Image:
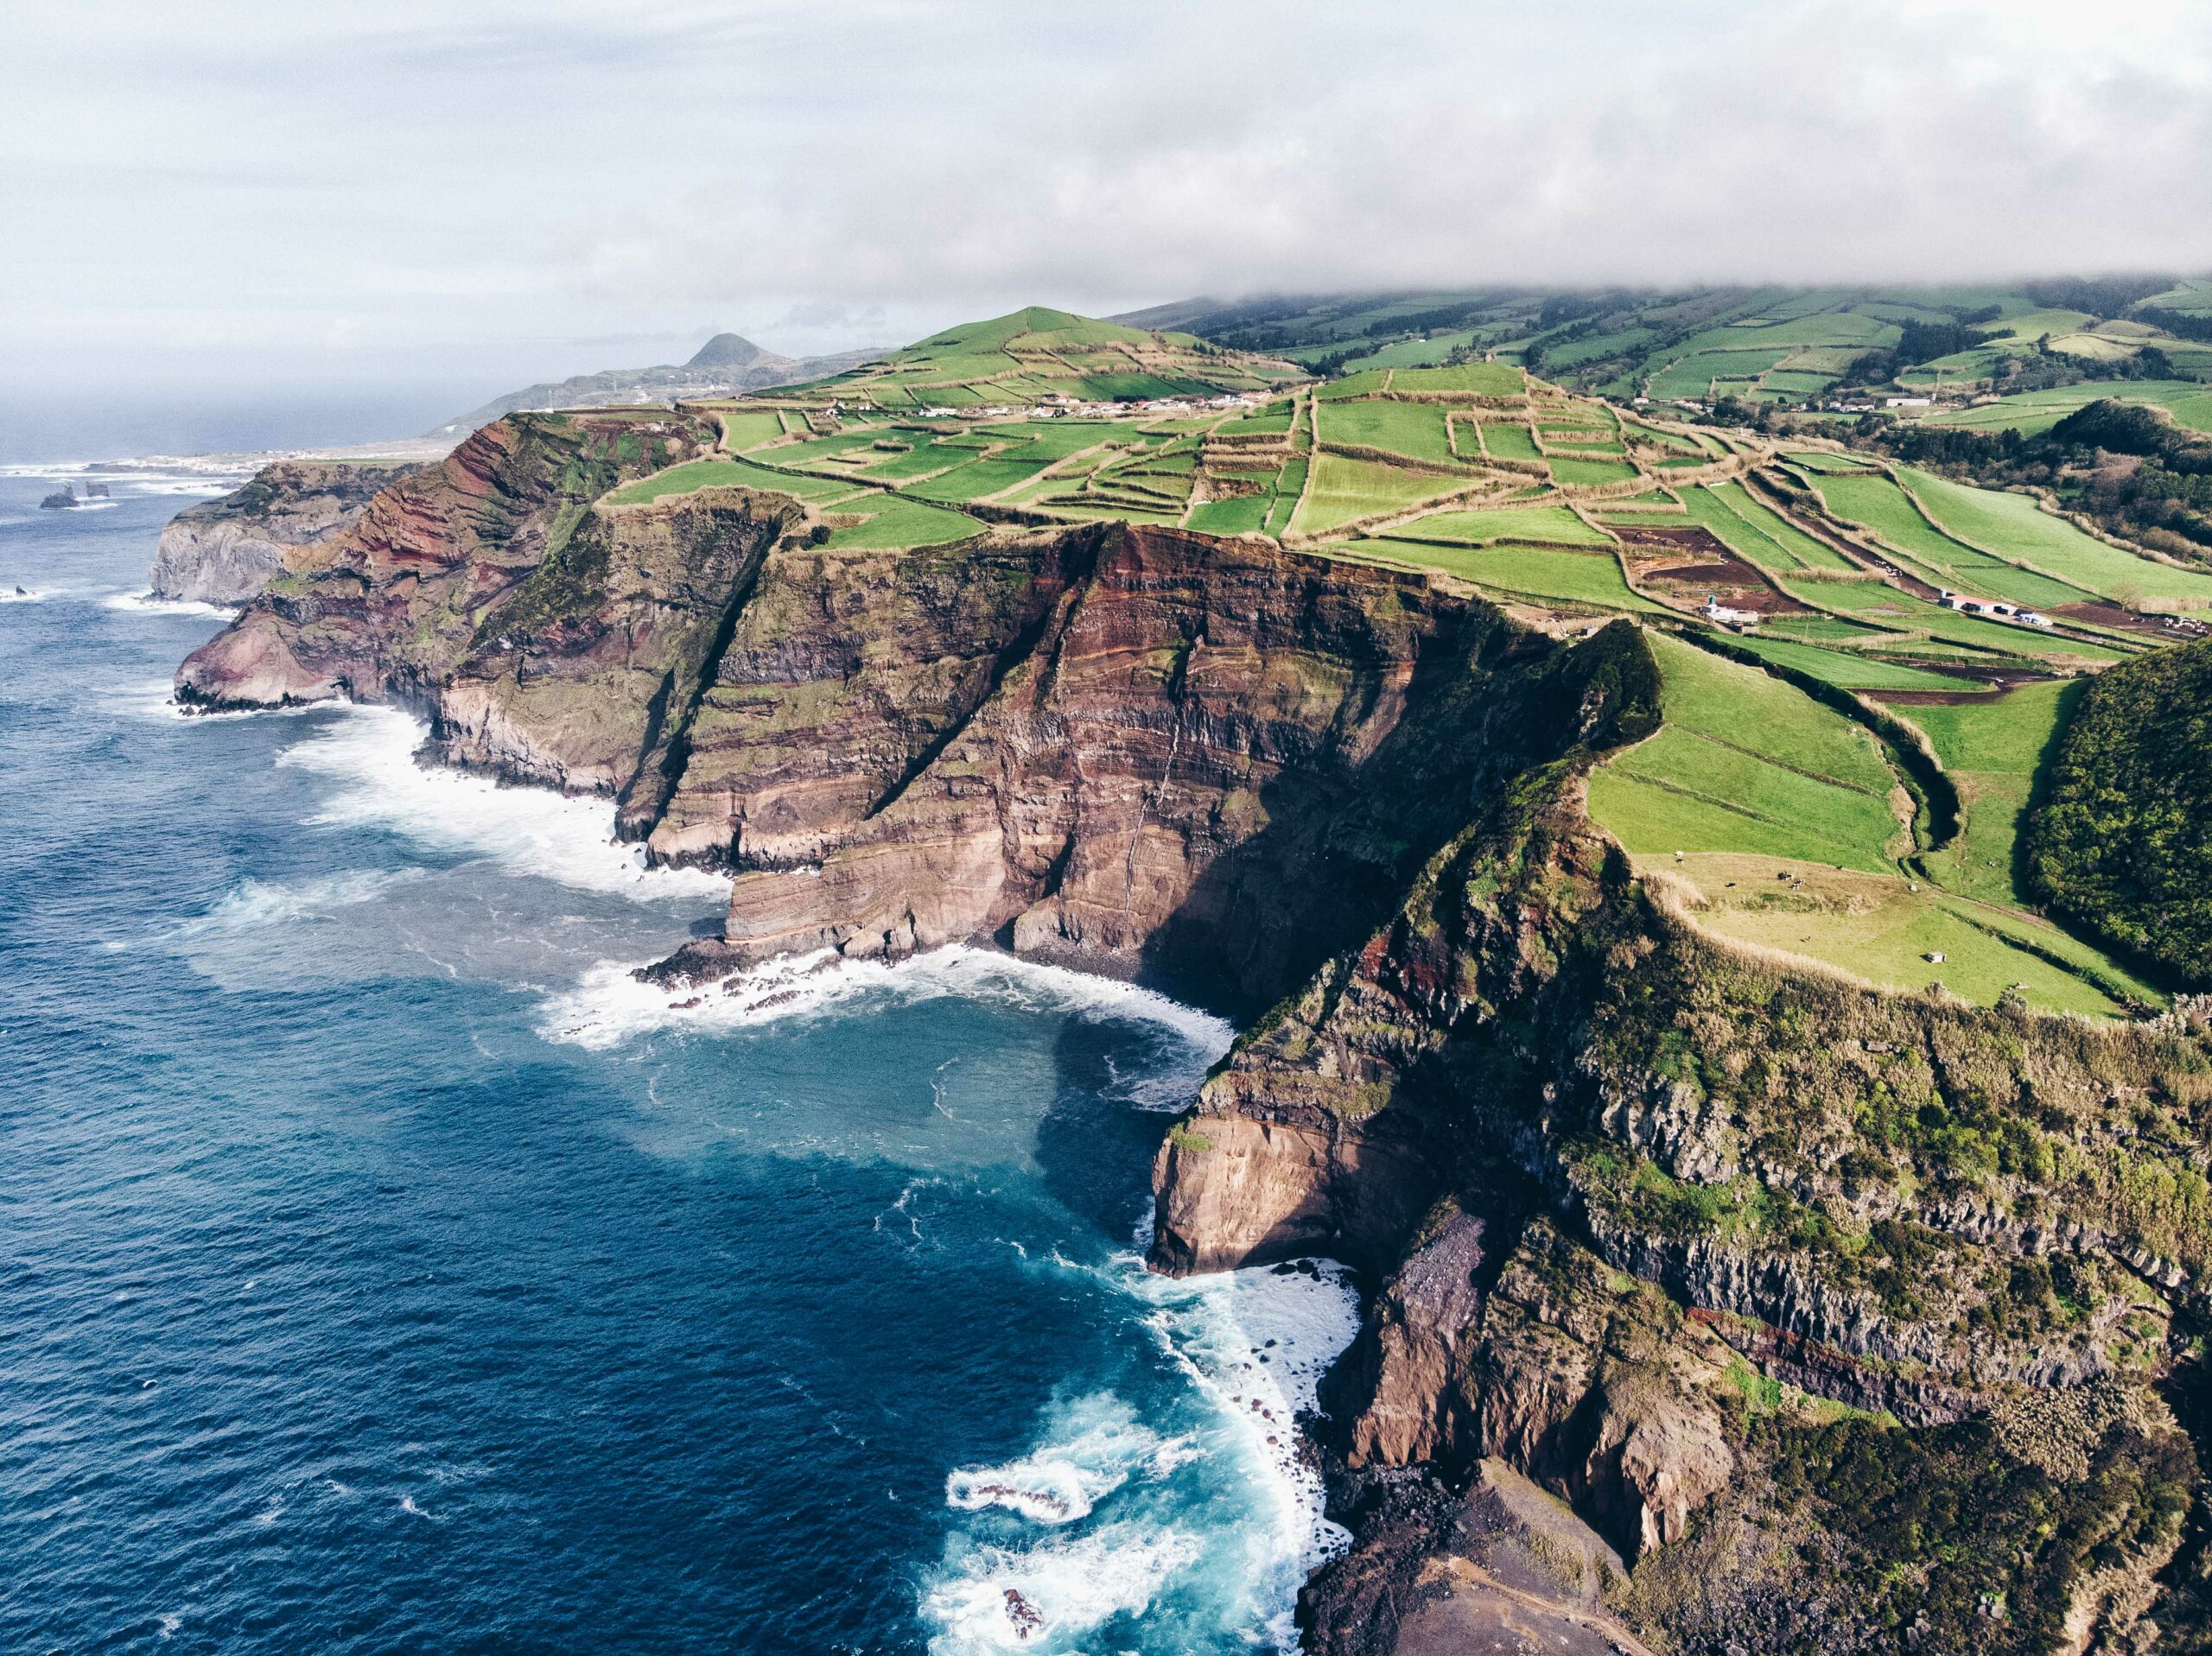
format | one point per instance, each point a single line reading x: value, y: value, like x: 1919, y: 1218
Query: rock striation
x: 1697, y: 1282
x: 224, y: 551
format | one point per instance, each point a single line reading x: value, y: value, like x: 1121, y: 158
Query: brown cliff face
x: 225, y: 551
x: 1715, y: 1226
x: 389, y: 606
x: 549, y: 639
x: 1143, y: 738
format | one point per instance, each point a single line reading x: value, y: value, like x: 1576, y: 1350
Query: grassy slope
x: 1781, y: 808
x: 1343, y: 489
x: 1546, y: 525
x: 1877, y: 502
x: 1746, y: 762
x: 2013, y: 526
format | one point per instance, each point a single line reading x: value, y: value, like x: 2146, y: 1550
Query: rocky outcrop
x: 1143, y: 738
x: 549, y: 639
x: 225, y: 551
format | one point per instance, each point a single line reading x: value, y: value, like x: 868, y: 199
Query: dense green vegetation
x: 2122, y: 844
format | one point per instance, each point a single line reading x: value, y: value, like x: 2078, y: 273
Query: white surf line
x: 612, y: 1004
x: 369, y: 751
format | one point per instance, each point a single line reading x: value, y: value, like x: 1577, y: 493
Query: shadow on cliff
x: 1486, y: 703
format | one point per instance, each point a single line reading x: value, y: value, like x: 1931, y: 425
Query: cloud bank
x: 497, y: 189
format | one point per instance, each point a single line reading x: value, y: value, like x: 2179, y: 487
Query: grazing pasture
x: 1344, y: 489
x: 1413, y: 429
x: 1546, y: 525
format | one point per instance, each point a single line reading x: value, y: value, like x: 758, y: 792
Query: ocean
x: 382, y: 1268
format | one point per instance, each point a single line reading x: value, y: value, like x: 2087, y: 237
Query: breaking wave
x: 613, y: 1005
x: 370, y: 752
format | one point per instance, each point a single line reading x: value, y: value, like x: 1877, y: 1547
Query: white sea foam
x: 371, y: 753
x: 29, y: 595
x: 1257, y: 1341
x: 147, y: 604
x: 1092, y: 1446
x: 1040, y: 1598
x: 612, y: 1005
x: 1113, y: 1521
x: 255, y: 903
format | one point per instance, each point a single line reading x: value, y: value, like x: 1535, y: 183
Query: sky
x: 440, y: 200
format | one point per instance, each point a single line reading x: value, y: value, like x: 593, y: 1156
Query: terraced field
x: 1343, y: 489
x: 1413, y: 429
x: 1774, y: 796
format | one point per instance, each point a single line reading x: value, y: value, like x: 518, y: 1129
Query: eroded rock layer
x: 224, y: 551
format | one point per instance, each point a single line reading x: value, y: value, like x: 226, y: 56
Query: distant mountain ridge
x: 726, y: 366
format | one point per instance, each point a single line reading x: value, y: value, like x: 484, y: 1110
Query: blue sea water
x: 382, y: 1269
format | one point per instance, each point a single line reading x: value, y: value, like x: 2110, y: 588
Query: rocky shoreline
x: 1643, y: 1276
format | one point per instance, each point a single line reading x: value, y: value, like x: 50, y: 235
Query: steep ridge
x: 1178, y: 727
x: 548, y: 639
x: 1838, y: 1318
x: 224, y: 551
x: 1744, y: 1185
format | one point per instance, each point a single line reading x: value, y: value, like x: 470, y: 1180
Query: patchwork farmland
x: 1865, y: 663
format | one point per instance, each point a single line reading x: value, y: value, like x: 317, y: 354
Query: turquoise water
x: 385, y: 1270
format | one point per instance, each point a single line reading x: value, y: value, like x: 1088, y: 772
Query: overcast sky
x: 482, y: 194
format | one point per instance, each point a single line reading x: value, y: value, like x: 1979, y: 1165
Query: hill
x: 1036, y: 355
x: 1790, y: 347
x: 1618, y: 817
x: 726, y: 366
x: 2123, y: 842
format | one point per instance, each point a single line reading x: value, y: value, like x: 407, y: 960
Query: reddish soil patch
x: 1703, y: 574
x: 1728, y: 579
x: 1994, y: 677
x: 2111, y: 615
x: 1687, y: 539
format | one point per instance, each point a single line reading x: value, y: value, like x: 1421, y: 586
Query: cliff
x: 224, y: 551
x: 1715, y: 1304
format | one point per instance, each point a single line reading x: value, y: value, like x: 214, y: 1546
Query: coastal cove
x: 388, y: 1272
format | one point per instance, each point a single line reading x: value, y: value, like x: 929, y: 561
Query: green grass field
x: 1266, y: 421
x: 2013, y: 526
x: 1877, y: 502
x: 2033, y: 413
x: 1360, y: 384
x: 1245, y: 515
x: 694, y: 475
x: 1581, y: 473
x: 1535, y: 572
x: 1886, y: 606
x: 744, y: 428
x: 1878, y: 927
x: 1344, y: 489
x: 1413, y: 429
x: 976, y: 479
x: 1546, y: 525
x: 924, y: 458
x: 1846, y: 668
x: 1817, y: 460
x: 1509, y: 440
x: 1993, y: 748
x: 1755, y: 534
x: 897, y: 522
x: 1747, y: 764
x: 1474, y: 378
